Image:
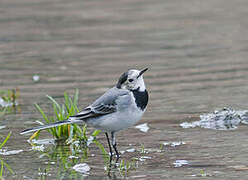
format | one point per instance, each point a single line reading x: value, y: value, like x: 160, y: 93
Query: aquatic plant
x: 62, y: 112
x: 8, y: 100
x: 142, y: 149
x: 4, y: 164
x: 203, y: 173
x: 126, y: 166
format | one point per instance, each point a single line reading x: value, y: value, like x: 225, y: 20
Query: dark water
x: 197, y: 55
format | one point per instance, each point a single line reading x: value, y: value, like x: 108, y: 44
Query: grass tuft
x: 62, y: 112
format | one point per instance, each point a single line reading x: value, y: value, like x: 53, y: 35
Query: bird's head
x: 132, y: 80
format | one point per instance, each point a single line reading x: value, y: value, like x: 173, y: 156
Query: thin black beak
x: 142, y: 71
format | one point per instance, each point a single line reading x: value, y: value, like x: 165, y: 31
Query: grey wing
x: 105, y: 104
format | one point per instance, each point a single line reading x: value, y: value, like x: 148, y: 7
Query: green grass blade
x: 59, y: 130
x: 78, y: 129
x: 1, y: 172
x: 96, y: 132
x: 84, y: 132
x: 55, y: 112
x: 8, y: 167
x: 5, y: 140
x: 72, y: 110
x: 55, y: 102
x: 63, y: 114
x: 42, y: 113
x: 67, y: 102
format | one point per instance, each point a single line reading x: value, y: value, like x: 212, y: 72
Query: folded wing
x: 105, y: 104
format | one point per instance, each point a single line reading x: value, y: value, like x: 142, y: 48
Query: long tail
x: 47, y: 126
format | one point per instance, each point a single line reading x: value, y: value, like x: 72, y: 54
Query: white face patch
x: 133, y: 81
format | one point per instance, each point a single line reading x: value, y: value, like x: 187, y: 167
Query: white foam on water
x: 224, y: 119
x: 12, y: 152
x: 143, y: 127
x: 82, y: 168
x: 180, y: 163
x: 36, y: 78
x: 38, y: 148
x: 174, y: 144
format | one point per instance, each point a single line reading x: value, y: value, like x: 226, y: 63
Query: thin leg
x: 110, y: 150
x: 114, y: 146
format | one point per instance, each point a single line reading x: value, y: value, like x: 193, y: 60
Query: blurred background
x: 196, y: 52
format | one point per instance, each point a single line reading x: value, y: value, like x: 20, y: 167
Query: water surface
x: 197, y: 55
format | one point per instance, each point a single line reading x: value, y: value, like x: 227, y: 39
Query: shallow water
x: 197, y: 55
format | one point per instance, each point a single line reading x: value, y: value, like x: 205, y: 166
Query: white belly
x: 116, y: 121
x: 126, y: 115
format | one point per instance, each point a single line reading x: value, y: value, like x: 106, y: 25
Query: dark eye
x: 130, y: 80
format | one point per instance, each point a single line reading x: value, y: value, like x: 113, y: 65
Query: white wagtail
x: 119, y: 108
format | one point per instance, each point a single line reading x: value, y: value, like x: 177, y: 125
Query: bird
x: 119, y: 108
